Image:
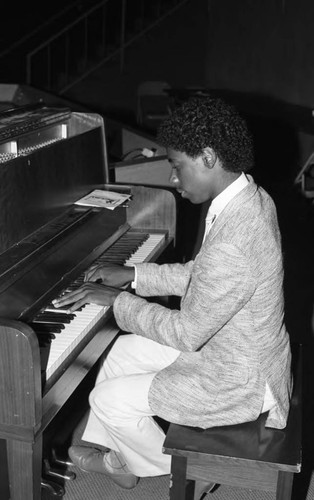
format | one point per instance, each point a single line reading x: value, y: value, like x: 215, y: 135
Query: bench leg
x: 178, y: 478
x: 180, y: 487
x: 284, y: 485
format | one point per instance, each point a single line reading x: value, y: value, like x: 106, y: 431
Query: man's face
x: 191, y: 177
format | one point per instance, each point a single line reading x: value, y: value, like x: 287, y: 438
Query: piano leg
x: 24, y: 468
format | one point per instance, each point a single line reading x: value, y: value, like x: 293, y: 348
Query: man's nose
x: 173, y: 179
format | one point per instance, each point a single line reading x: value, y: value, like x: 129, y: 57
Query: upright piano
x: 50, y: 157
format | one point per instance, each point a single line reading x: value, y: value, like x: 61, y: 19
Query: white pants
x: 120, y: 416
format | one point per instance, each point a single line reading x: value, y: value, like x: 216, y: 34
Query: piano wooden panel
x: 154, y: 171
x: 152, y: 208
x: 20, y: 364
x: 47, y: 243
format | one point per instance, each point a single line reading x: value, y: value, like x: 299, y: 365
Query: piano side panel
x: 20, y: 382
x: 37, y: 188
x: 151, y: 208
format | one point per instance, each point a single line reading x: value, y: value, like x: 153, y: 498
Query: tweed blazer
x: 230, y: 328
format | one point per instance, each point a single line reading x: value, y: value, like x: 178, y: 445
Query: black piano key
x: 46, y: 328
x: 117, y: 255
x: 52, y: 318
x: 57, y: 318
x: 57, y: 312
x: 52, y: 324
x: 44, y: 342
x: 44, y: 336
x: 115, y: 261
x: 51, y: 310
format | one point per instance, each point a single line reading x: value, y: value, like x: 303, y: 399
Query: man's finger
x: 69, y: 298
x: 77, y: 305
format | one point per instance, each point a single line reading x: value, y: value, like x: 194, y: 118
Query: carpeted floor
x: 97, y: 487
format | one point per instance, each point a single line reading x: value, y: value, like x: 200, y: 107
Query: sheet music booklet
x: 103, y: 199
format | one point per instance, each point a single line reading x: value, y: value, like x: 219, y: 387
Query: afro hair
x: 208, y: 121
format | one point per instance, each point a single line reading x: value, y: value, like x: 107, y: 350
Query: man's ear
x: 209, y: 157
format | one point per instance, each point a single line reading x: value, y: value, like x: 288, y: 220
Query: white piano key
x: 66, y: 341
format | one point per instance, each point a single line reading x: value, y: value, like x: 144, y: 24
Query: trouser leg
x: 120, y: 416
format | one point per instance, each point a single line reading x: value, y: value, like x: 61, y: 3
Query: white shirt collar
x: 221, y: 201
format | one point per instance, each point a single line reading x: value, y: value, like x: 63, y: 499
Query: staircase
x: 80, y: 39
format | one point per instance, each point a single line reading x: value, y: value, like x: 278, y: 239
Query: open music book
x: 103, y: 199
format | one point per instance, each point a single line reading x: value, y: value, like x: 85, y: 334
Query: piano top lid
x: 15, y: 122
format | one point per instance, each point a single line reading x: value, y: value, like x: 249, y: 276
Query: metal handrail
x: 39, y: 29
x: 66, y: 28
x: 46, y: 48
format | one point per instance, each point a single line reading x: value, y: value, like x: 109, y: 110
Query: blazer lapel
x: 232, y: 209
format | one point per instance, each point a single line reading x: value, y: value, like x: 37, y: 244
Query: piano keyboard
x: 59, y: 338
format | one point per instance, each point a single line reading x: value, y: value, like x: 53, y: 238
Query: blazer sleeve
x: 160, y: 280
x: 221, y: 284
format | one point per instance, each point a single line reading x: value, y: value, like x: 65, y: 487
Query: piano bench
x: 247, y: 455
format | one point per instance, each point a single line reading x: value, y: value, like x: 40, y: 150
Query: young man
x: 224, y: 356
